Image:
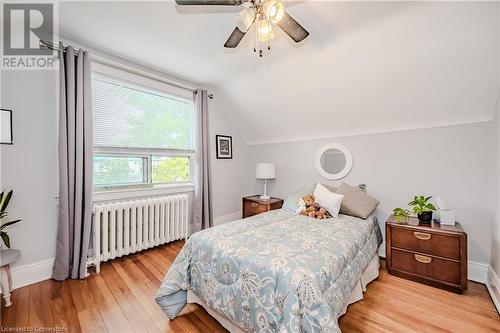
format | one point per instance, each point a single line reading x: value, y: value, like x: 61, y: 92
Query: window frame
x: 151, y: 85
x: 147, y: 154
x: 145, y: 172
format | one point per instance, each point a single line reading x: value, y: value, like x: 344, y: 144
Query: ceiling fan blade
x: 235, y: 38
x: 292, y: 28
x: 210, y: 2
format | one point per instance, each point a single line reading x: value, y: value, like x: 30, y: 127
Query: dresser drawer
x: 447, y: 246
x: 426, y: 266
x: 254, y: 208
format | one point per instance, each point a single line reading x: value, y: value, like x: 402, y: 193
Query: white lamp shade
x: 265, y: 171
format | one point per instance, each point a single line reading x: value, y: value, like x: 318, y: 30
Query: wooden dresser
x: 432, y: 254
x: 253, y: 205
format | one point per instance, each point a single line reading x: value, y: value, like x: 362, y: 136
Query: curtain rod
x: 51, y: 46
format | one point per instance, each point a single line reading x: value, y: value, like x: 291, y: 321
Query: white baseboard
x: 493, y: 286
x: 381, y: 250
x: 478, y: 272
x: 31, y: 273
x: 227, y: 218
x: 217, y: 221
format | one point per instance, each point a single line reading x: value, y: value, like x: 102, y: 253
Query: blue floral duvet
x: 273, y: 272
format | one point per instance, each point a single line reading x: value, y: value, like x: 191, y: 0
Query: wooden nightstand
x: 432, y: 254
x: 253, y: 205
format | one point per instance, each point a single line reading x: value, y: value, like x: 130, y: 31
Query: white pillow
x: 327, y: 199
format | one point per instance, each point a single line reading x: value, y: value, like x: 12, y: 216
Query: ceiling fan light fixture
x: 261, y: 14
x: 265, y: 30
x: 274, y: 10
x: 245, y: 18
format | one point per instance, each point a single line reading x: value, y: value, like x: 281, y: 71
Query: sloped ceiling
x: 366, y: 67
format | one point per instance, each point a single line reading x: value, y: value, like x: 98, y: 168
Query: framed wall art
x: 6, y: 137
x: 224, y: 146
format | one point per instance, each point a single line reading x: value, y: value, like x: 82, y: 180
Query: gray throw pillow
x: 356, y: 202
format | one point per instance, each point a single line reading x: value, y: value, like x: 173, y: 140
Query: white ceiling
x: 366, y: 66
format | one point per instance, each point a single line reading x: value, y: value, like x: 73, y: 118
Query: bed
x: 275, y: 271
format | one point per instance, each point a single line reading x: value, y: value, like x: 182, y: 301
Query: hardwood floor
x: 121, y: 299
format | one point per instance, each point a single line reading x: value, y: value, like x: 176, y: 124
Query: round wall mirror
x: 333, y: 161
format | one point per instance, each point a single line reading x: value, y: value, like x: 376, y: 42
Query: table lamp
x: 265, y: 171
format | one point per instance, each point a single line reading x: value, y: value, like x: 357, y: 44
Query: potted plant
x: 423, y: 208
x: 401, y: 214
x: 4, y: 202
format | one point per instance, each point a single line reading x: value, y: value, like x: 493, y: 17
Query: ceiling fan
x: 261, y: 13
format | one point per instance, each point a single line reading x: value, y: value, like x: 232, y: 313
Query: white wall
x: 228, y: 177
x: 29, y: 167
x: 493, y: 279
x: 495, y: 235
x: 448, y: 162
x: 494, y: 271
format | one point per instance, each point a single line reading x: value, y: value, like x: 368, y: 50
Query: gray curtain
x: 75, y: 165
x: 202, y: 192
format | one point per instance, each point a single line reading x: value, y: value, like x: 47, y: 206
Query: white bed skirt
x: 369, y: 274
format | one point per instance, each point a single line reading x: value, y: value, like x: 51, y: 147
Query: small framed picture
x: 224, y: 145
x: 6, y: 127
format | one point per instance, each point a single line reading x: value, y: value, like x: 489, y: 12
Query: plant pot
x: 425, y: 217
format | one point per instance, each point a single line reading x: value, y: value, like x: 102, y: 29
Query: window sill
x: 140, y: 192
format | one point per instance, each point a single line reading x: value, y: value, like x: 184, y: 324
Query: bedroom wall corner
x: 29, y: 167
x: 493, y: 278
x: 228, y: 175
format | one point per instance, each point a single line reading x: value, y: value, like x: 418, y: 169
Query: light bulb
x: 274, y: 10
x: 265, y: 30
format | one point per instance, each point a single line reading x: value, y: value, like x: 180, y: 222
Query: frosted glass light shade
x: 245, y: 19
x: 265, y: 171
x: 265, y: 30
x: 274, y: 10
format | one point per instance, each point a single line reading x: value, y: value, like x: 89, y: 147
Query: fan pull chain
x: 260, y: 49
x: 255, y: 31
x: 260, y: 42
x: 269, y: 40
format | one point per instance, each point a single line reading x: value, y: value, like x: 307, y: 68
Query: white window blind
x: 126, y: 115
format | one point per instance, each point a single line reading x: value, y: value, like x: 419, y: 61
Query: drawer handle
x: 422, y: 235
x: 255, y: 205
x: 423, y: 259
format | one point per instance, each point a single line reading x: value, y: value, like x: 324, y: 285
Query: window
x: 143, y: 130
x: 117, y: 170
